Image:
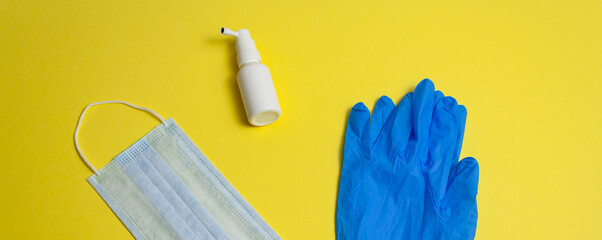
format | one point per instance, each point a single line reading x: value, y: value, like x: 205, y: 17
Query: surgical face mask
x: 163, y: 187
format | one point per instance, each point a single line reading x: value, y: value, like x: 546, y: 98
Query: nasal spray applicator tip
x: 228, y: 32
x: 254, y: 81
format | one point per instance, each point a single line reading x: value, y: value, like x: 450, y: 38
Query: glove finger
x: 381, y: 113
x: 460, y: 113
x: 437, y: 96
x: 395, y: 134
x: 422, y: 111
x: 460, y: 205
x: 442, y: 145
x: 464, y: 181
x: 357, y: 135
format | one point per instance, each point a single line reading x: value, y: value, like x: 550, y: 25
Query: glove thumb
x: 464, y: 180
x: 460, y: 204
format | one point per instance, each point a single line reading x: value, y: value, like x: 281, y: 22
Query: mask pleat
x: 189, y: 207
x: 157, y: 199
x: 240, y: 218
x: 129, y: 203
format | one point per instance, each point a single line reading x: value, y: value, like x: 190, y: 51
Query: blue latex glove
x: 401, y: 178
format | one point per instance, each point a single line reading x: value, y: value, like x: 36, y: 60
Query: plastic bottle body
x: 258, y: 94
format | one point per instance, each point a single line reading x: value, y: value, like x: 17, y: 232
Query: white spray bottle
x: 255, y: 81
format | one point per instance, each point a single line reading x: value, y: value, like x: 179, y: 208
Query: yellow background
x: 529, y: 73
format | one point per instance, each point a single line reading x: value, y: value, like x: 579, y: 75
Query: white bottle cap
x: 255, y: 81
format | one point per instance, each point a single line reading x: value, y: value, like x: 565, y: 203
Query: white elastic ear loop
x: 81, y: 117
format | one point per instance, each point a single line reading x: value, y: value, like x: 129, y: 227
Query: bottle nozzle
x: 227, y: 31
x: 245, y: 46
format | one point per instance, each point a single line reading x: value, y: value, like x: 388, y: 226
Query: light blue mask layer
x: 163, y: 187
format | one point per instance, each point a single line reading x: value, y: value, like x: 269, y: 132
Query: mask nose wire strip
x: 81, y: 117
